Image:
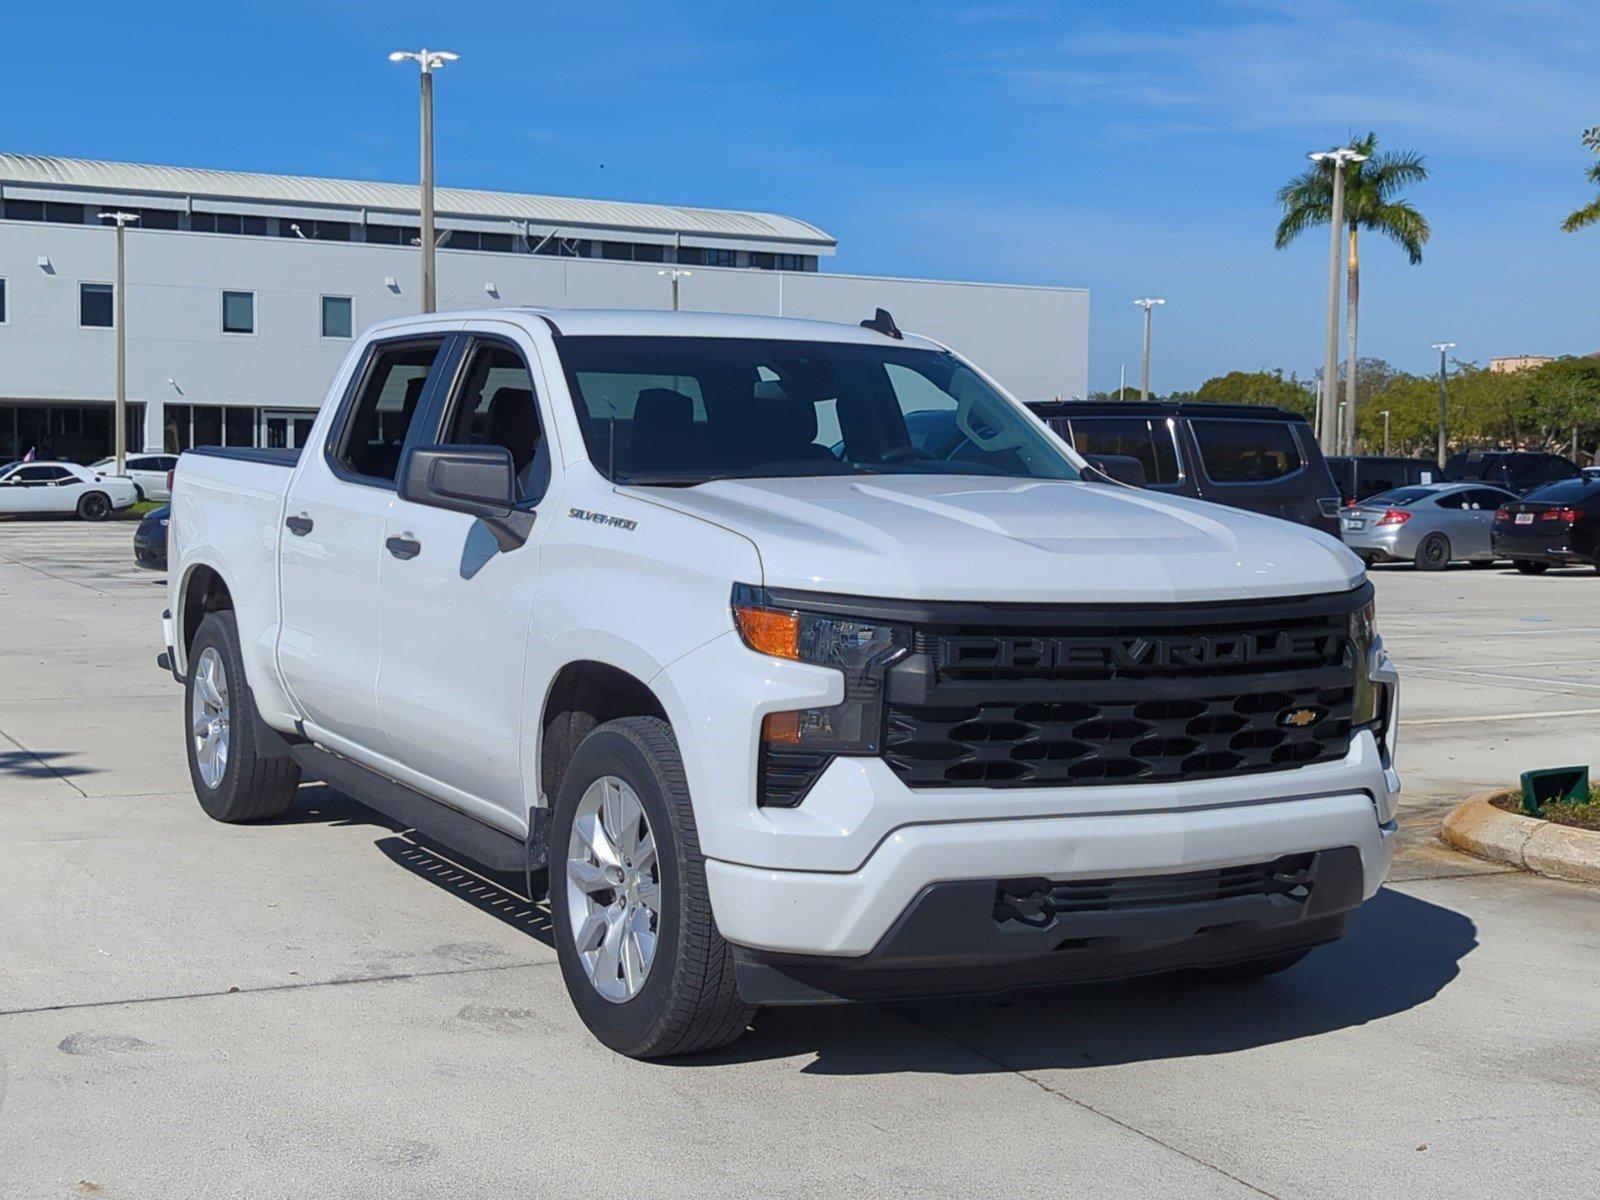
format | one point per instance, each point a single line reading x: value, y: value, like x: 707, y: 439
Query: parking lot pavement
x: 322, y: 1007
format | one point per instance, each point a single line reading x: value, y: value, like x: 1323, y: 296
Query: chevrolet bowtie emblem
x: 1299, y: 717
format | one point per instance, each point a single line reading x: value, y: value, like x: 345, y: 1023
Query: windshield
x: 683, y: 411
x: 1400, y: 496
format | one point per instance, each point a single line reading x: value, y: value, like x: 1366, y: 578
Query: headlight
x: 1363, y: 633
x: 802, y: 741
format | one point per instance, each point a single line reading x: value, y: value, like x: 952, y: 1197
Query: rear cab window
x: 373, y: 431
x: 1150, y: 440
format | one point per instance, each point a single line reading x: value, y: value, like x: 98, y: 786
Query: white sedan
x: 148, y: 472
x: 62, y: 487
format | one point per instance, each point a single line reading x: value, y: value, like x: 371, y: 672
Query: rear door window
x: 1247, y: 451
x: 1147, y: 439
x: 391, y: 388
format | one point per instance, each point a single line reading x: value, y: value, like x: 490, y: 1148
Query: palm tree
x: 1371, y: 202
x: 1590, y: 212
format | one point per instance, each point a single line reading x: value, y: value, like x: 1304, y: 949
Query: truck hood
x: 931, y: 537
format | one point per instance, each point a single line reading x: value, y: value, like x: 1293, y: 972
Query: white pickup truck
x: 676, y: 616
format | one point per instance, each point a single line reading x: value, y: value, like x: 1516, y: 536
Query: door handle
x: 299, y: 526
x: 404, y: 547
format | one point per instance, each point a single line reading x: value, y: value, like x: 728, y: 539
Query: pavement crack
x: 1051, y: 1090
x: 271, y: 987
x: 44, y: 763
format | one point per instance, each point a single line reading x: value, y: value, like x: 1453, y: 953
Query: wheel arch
x: 204, y: 590
x: 584, y: 693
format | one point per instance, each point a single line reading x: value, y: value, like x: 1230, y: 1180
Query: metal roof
x: 560, y: 212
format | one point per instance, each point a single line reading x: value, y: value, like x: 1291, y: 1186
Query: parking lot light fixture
x: 429, y: 61
x: 1444, y: 396
x: 119, y: 436
x: 1385, y: 415
x: 1147, y: 303
x: 674, y: 274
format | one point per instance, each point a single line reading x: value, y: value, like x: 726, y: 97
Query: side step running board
x: 484, y: 844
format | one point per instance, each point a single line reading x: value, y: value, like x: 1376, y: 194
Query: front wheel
x: 1434, y: 553
x: 1529, y: 566
x: 232, y: 780
x: 639, y: 949
x: 94, y: 506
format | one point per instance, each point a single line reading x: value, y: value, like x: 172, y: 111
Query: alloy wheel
x: 613, y: 889
x: 208, y: 717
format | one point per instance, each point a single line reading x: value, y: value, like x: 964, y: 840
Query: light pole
x: 119, y: 437
x: 429, y: 61
x: 1385, y: 415
x: 1330, y: 357
x: 1444, y: 396
x: 1147, y: 304
x: 674, y: 274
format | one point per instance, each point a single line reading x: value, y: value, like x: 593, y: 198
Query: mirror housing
x: 1117, y: 468
x: 480, y: 481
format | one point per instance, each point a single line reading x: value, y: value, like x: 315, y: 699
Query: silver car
x: 1430, y: 524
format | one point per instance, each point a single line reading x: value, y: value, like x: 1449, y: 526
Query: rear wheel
x: 1529, y: 566
x: 232, y: 780
x: 1434, y: 553
x: 94, y: 506
x: 640, y: 952
x: 1255, y: 968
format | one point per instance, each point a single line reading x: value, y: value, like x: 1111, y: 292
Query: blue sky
x: 1130, y: 149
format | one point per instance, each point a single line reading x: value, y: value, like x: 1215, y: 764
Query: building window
x: 393, y: 235
x: 151, y: 218
x: 315, y: 231
x: 4, y: 314
x: 239, y: 427
x: 238, y: 312
x: 207, y: 222
x: 336, y: 317
x: 789, y: 262
x: 696, y: 256
x: 95, y: 305
x: 645, y: 252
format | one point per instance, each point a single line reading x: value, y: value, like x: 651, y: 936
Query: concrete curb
x: 1560, y: 851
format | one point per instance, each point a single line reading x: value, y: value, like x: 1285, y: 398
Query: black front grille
x: 1039, y: 902
x: 1131, y: 697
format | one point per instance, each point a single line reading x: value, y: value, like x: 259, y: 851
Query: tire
x: 138, y: 494
x: 1530, y: 566
x: 94, y: 506
x: 1255, y: 968
x: 249, y: 786
x: 1434, y: 553
x: 685, y: 999
x: 1483, y: 564
x: 1368, y: 560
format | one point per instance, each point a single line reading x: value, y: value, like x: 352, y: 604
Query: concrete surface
x: 322, y: 1008
x: 1560, y: 851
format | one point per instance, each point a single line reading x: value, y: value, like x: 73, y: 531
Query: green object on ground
x: 1569, y: 785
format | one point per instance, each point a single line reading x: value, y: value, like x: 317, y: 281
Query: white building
x: 244, y: 291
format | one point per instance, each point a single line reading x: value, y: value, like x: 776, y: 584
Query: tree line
x: 1538, y: 408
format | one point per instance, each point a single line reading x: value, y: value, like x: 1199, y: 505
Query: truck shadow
x: 1400, y: 953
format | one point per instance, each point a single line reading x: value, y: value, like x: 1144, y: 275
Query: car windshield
x: 1400, y: 497
x: 683, y: 411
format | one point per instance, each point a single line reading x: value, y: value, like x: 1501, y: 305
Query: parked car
x: 150, y: 539
x: 1366, y: 475
x: 1243, y: 455
x: 1556, y: 525
x: 63, y: 487
x: 1431, y: 525
x: 1517, y: 471
x: 770, y: 724
x: 148, y: 472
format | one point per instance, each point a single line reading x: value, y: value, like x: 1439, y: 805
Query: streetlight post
x: 429, y: 61
x: 1444, y: 396
x: 1385, y: 415
x: 119, y: 437
x: 674, y: 274
x: 1147, y: 304
x: 1330, y: 357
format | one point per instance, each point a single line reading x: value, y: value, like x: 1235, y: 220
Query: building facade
x: 245, y: 291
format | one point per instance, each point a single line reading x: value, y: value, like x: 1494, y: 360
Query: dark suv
x: 1244, y: 455
x: 1370, y: 474
x: 1515, y: 470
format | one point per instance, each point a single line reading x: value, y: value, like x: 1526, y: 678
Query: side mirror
x: 480, y: 481
x: 1118, y: 468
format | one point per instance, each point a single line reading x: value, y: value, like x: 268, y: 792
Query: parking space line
x: 1498, y: 677
x: 1516, y: 716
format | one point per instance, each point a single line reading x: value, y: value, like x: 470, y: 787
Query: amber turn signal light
x: 770, y: 631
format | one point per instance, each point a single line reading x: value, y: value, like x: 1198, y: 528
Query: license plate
x: 1524, y: 518
x: 1354, y: 524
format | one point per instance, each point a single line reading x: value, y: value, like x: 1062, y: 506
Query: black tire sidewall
x: 632, y: 1023
x: 89, y: 502
x: 1425, y: 561
x: 217, y: 631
